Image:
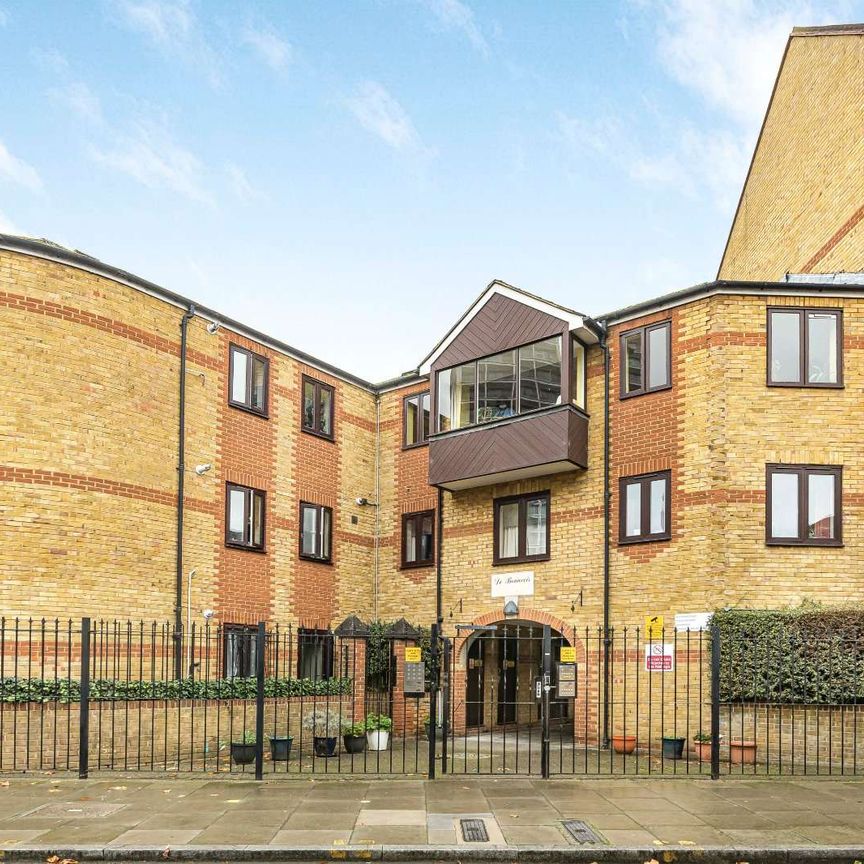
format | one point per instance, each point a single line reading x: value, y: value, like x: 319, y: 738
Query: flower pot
x: 742, y: 752
x: 623, y: 743
x: 703, y: 750
x: 325, y: 747
x: 377, y: 739
x: 673, y: 748
x: 354, y: 743
x: 242, y: 754
x: 280, y: 748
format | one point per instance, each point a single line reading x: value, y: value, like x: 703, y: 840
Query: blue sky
x: 348, y: 176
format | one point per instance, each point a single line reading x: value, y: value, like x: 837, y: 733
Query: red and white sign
x: 659, y: 657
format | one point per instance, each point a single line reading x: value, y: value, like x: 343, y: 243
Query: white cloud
x: 172, y: 27
x: 17, y: 171
x: 270, y: 47
x: 458, y: 16
x: 379, y: 113
x: 79, y: 99
x: 240, y: 183
x: 152, y: 158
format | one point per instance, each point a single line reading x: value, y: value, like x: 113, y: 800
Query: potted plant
x: 280, y: 748
x: 702, y: 745
x: 673, y: 747
x: 354, y: 737
x: 742, y: 752
x: 325, y: 725
x: 624, y: 743
x: 378, y: 728
x: 243, y: 751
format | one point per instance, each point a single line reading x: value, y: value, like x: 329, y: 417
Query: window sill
x: 635, y: 541
x: 806, y: 544
x: 503, y: 562
x: 315, y: 560
x: 264, y: 415
x: 415, y: 446
x: 638, y: 393
x: 240, y: 547
x: 787, y: 385
x: 320, y: 435
x: 421, y: 565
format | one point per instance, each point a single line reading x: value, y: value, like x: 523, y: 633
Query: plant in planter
x: 243, y: 751
x: 325, y: 725
x: 624, y: 743
x: 354, y: 737
x: 280, y: 747
x: 673, y: 747
x: 702, y: 745
x: 378, y: 728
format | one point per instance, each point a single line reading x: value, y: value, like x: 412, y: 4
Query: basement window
x: 240, y: 643
x: 314, y: 654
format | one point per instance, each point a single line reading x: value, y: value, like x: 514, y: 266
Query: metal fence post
x: 259, y: 704
x: 544, y: 703
x: 715, y: 702
x: 84, y: 703
x: 434, y: 655
x: 444, y: 672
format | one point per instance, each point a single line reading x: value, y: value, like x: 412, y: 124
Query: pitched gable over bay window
x: 508, y: 391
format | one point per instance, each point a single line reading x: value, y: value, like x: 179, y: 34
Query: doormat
x: 474, y: 831
x: 581, y: 832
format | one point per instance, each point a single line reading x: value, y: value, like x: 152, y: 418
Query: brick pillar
x: 356, y: 663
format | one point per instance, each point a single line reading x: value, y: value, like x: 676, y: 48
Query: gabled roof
x: 582, y: 324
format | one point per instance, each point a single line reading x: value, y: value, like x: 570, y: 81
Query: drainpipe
x: 181, y: 476
x: 377, y: 498
x: 439, y: 542
x: 607, y: 639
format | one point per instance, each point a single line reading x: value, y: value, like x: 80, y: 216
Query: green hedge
x: 22, y: 690
x: 808, y: 655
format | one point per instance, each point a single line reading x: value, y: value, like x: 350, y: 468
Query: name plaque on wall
x: 519, y: 584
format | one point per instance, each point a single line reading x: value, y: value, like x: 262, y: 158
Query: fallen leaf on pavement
x: 166, y: 852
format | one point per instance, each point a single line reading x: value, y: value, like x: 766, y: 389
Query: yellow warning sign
x: 413, y: 655
x: 568, y: 655
x: 654, y: 627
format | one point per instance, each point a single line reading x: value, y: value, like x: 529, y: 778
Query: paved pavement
x: 334, y: 816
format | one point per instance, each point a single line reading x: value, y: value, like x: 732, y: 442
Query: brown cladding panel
x: 502, y: 323
x: 558, y: 436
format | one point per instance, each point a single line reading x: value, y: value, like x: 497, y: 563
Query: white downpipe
x: 188, y: 633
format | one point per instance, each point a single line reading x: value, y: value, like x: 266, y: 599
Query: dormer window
x: 503, y: 385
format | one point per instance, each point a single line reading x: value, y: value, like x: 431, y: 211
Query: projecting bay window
x: 521, y: 528
x: 244, y: 518
x: 803, y: 505
x: 317, y: 408
x: 248, y: 377
x: 503, y: 385
x: 645, y: 508
x: 316, y: 532
x: 418, y: 539
x: 646, y: 360
x: 805, y: 347
x: 416, y: 420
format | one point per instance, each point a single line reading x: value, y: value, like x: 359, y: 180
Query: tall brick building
x: 693, y: 451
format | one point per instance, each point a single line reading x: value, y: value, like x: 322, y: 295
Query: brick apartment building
x: 731, y: 472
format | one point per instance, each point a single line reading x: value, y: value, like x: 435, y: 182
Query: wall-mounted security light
x: 511, y: 607
x: 213, y: 327
x: 364, y: 502
x: 208, y: 614
x: 202, y: 469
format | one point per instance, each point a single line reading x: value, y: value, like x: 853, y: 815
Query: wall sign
x: 413, y: 655
x: 520, y: 584
x: 659, y: 657
x: 568, y: 654
x: 692, y: 621
x: 653, y: 626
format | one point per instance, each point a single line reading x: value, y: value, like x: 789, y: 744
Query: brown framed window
x: 244, y: 517
x: 803, y: 505
x: 314, y: 654
x: 248, y: 376
x: 415, y: 416
x: 805, y: 347
x: 418, y: 539
x: 316, y: 532
x: 521, y: 530
x: 239, y: 650
x: 646, y: 359
x: 645, y: 508
x: 317, y: 408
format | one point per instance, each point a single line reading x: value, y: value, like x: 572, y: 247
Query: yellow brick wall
x: 802, y: 203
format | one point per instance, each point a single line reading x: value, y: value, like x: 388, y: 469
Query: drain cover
x: 581, y: 832
x: 474, y: 831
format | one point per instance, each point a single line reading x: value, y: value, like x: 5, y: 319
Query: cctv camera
x: 208, y: 614
x: 362, y: 502
x: 213, y: 326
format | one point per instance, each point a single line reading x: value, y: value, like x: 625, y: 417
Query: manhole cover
x: 75, y: 810
x: 581, y: 832
x: 474, y: 831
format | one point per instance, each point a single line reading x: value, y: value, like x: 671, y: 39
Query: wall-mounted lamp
x: 213, y: 327
x: 364, y: 502
x: 511, y: 607
x: 459, y: 604
x: 202, y: 469
x: 573, y: 602
x: 208, y: 614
